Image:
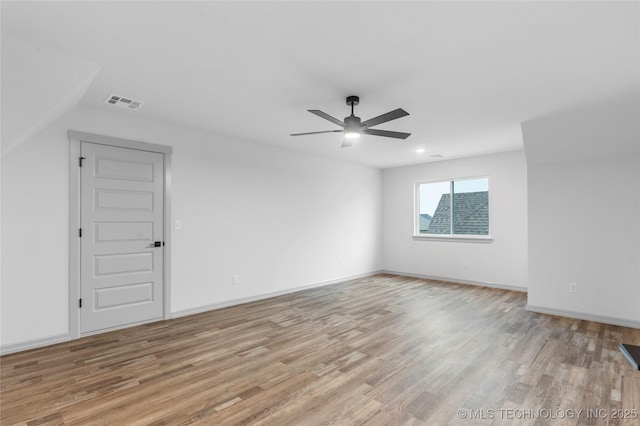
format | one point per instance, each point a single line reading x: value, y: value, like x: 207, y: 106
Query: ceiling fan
x: 353, y: 127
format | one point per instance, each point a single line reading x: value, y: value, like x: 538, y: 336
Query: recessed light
x: 420, y: 150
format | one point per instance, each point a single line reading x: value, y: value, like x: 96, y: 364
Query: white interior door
x: 122, y: 244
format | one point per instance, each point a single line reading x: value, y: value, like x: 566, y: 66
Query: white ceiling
x: 468, y: 72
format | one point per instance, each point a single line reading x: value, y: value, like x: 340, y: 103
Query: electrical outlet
x: 234, y: 279
x: 573, y: 287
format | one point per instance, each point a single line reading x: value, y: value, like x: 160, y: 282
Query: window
x: 453, y: 208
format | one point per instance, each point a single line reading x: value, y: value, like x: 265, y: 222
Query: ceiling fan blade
x: 315, y: 133
x: 392, y: 115
x: 346, y: 143
x: 326, y: 116
x: 386, y: 133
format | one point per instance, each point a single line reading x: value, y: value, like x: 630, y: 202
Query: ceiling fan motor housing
x: 352, y: 123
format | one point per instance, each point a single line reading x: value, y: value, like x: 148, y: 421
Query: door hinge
x: 80, y: 303
x: 80, y: 232
x: 80, y: 160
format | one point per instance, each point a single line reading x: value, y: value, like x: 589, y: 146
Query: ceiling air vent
x: 122, y: 102
x: 436, y: 156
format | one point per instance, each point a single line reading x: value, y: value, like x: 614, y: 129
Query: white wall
x: 584, y: 213
x: 278, y: 219
x: 586, y: 229
x: 500, y: 263
x: 39, y: 85
x: 282, y: 219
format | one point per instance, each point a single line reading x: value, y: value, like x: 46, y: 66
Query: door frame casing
x: 75, y: 140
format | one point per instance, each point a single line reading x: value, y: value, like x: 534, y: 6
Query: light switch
x: 177, y: 225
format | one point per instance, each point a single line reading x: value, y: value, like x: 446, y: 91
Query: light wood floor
x: 378, y: 350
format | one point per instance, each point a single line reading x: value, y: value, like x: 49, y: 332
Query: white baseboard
x: 240, y: 301
x: 459, y: 281
x: 584, y: 316
x: 35, y: 343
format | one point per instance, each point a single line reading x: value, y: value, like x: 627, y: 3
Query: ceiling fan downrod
x: 353, y: 101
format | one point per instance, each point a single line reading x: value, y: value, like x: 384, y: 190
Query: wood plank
x: 377, y: 350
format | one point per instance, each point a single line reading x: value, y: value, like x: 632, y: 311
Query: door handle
x: 156, y: 244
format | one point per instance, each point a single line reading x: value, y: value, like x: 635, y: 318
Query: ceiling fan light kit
x: 354, y: 127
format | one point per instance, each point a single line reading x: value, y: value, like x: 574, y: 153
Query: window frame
x: 449, y: 237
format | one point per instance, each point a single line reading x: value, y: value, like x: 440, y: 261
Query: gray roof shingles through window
x: 471, y: 214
